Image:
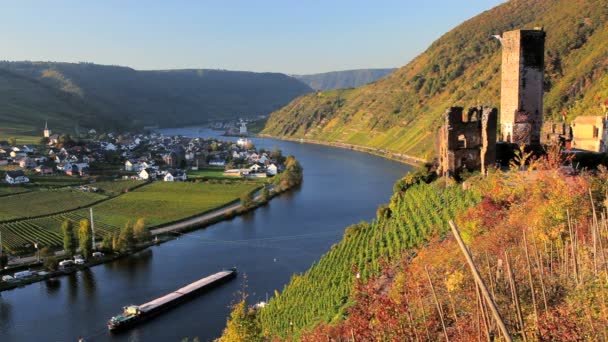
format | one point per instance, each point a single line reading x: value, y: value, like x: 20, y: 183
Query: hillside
x: 537, y: 237
x: 402, y: 111
x: 98, y: 93
x: 26, y: 103
x: 343, y: 79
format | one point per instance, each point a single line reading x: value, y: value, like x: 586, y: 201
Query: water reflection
x: 131, y: 265
x: 88, y: 282
x: 52, y: 286
x: 73, y: 287
x: 5, y: 313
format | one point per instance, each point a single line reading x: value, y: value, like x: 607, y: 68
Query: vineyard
x: 322, y: 293
x: 158, y: 203
x: 44, y: 202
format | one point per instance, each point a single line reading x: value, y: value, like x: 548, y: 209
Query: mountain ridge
x: 343, y: 78
x: 402, y: 111
x: 122, y: 97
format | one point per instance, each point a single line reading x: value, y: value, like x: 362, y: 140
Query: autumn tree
x: 69, y: 241
x: 242, y: 325
x: 140, y: 232
x: 126, y: 240
x: 85, y: 238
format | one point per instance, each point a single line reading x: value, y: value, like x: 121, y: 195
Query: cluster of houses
x: 179, y: 154
x: 150, y: 156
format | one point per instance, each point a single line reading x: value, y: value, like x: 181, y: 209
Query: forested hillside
x: 402, y: 111
x: 343, y: 79
x: 93, y: 95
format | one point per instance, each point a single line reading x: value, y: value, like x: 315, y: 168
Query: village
x: 148, y: 157
x: 164, y: 183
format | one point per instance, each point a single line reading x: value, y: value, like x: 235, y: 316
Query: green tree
x: 12, y: 141
x: 69, y: 241
x: 85, y: 238
x: 247, y: 200
x: 46, y: 252
x: 106, y: 243
x: 265, y: 194
x: 51, y: 263
x: 242, y: 326
x: 140, y: 232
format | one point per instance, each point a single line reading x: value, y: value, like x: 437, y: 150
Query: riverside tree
x: 126, y: 241
x: 242, y: 325
x: 85, y: 238
x: 265, y: 194
x: 140, y: 232
x: 69, y: 241
x: 247, y: 200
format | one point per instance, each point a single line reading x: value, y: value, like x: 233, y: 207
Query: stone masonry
x: 467, y: 141
x: 521, y: 102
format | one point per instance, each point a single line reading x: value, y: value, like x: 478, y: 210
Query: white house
x: 16, y: 177
x: 128, y: 165
x: 175, y: 175
x: 145, y: 174
x: 217, y: 163
x: 272, y: 170
x: 255, y: 168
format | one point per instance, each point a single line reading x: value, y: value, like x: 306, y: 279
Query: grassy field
x: 55, y: 181
x: 37, y: 203
x: 164, y: 202
x: 113, y: 188
x: 208, y: 172
x: 11, y: 190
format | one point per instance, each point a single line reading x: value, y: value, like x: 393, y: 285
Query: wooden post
x: 480, y: 283
x: 439, y: 308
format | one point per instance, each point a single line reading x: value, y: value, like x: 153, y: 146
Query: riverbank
x: 399, y: 157
x: 163, y: 234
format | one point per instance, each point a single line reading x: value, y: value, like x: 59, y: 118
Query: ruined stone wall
x: 522, y: 86
x: 467, y: 140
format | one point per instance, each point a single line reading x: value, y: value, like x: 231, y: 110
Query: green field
x: 37, y: 203
x: 163, y: 202
x: 158, y: 203
x: 113, y: 188
x: 11, y: 190
x: 208, y: 172
x: 56, y: 181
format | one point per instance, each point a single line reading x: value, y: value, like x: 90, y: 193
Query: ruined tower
x: 521, y: 98
x: 467, y: 140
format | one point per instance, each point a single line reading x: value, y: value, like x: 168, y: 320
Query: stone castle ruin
x: 468, y: 142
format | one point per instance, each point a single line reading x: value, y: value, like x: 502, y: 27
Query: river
x: 340, y: 187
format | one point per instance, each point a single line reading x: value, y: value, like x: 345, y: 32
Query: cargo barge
x: 134, y: 314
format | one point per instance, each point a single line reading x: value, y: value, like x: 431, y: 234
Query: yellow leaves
x: 454, y: 281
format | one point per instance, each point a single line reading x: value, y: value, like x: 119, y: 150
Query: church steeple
x: 47, y: 131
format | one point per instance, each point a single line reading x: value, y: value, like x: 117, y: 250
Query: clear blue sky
x: 290, y: 36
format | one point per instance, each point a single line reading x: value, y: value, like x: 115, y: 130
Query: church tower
x: 521, y: 98
x: 47, y: 131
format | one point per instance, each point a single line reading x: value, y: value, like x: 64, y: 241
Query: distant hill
x: 343, y: 79
x: 93, y: 95
x: 403, y: 111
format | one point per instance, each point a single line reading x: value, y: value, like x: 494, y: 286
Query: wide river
x: 340, y: 187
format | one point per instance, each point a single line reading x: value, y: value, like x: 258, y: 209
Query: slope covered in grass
x: 402, y: 111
